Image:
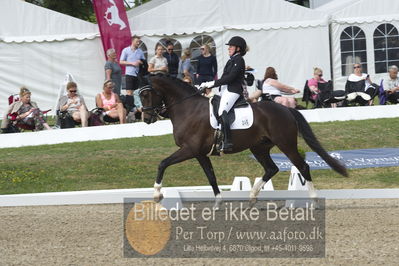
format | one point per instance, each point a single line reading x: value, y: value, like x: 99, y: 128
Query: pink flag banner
x: 113, y: 23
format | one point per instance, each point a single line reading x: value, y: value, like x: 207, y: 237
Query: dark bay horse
x: 274, y: 124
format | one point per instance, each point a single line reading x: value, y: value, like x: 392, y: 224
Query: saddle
x: 240, y: 103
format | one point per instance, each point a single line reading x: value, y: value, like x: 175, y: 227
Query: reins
x: 162, y: 108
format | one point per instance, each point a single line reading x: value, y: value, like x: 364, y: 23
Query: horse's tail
x: 310, y: 139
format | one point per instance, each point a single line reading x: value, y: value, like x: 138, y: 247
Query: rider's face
x: 232, y: 50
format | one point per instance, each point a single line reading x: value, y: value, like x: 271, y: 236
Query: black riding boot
x: 227, y: 144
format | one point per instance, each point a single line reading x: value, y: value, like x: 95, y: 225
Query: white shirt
x: 267, y: 88
x: 355, y: 78
x: 390, y: 83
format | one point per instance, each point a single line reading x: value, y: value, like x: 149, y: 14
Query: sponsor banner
x: 364, y: 158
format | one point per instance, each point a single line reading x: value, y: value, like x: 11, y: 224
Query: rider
x: 232, y: 85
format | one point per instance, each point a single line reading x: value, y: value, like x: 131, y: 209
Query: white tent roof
x: 335, y: 5
x: 188, y: 17
x: 366, y: 11
x: 25, y: 22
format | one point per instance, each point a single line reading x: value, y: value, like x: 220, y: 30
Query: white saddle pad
x: 244, y: 118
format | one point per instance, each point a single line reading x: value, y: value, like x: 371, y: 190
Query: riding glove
x: 207, y: 85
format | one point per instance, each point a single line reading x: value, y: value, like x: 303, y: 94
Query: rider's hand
x: 207, y: 85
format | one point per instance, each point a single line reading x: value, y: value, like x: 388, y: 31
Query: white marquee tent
x: 291, y: 38
x: 369, y: 45
x: 38, y: 47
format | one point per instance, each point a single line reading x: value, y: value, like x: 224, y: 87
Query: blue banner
x: 365, y: 158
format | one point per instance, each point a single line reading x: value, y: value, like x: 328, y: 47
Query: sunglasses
x: 72, y: 91
x: 202, y: 49
x: 357, y: 67
x: 170, y: 49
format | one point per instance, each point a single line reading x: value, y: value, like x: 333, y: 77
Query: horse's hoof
x: 158, y: 197
x: 218, y: 202
x: 217, y: 205
x: 252, y: 202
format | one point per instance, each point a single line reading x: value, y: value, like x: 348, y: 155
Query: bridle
x: 156, y: 110
x: 153, y: 111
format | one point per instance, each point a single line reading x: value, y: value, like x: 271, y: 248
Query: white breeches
x: 227, y: 101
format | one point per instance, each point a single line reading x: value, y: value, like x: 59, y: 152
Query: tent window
x: 196, y: 44
x: 177, y: 45
x: 353, y: 49
x: 386, y: 47
x: 143, y: 47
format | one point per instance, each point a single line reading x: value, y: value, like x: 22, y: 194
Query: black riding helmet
x: 239, y: 42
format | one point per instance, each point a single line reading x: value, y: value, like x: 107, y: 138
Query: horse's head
x: 152, y: 104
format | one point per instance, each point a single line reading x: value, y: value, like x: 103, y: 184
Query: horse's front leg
x: 206, y: 165
x: 180, y: 155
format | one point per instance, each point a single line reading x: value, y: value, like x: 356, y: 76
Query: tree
x: 82, y: 9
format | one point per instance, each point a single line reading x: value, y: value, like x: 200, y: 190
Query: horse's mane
x: 176, y: 81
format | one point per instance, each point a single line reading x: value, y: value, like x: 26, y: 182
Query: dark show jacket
x: 233, y: 74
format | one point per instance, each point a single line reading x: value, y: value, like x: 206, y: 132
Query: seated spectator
x: 74, y: 104
x: 391, y: 85
x: 158, y: 64
x: 272, y: 87
x: 185, y: 67
x: 313, y: 83
x: 110, y: 102
x: 113, y: 70
x: 324, y: 96
x: 26, y: 113
x: 359, y: 84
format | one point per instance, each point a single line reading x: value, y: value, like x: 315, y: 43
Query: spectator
x: 185, y: 67
x: 274, y: 88
x: 207, y: 66
x: 113, y: 71
x: 26, y: 111
x: 132, y: 57
x: 173, y: 60
x: 158, y: 64
x: 313, y: 83
x: 357, y: 75
x: 74, y: 104
x: 110, y: 102
x: 391, y: 85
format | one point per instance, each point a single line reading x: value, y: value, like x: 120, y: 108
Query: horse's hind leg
x: 180, y: 155
x: 206, y: 165
x: 262, y: 154
x: 292, y: 153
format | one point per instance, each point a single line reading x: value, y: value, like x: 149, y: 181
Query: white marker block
x: 241, y: 183
x: 298, y: 182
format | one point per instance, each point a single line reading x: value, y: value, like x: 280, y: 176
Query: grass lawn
x: 132, y: 163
